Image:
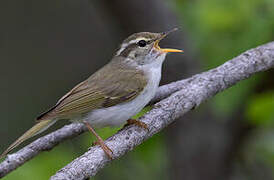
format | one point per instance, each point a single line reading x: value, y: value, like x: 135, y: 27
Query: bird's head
x: 143, y: 48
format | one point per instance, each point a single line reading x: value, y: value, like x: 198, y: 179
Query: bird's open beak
x: 165, y: 50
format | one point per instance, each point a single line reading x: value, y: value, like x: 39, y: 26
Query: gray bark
x: 186, y: 95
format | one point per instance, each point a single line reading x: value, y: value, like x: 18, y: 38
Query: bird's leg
x: 99, y: 141
x: 136, y: 122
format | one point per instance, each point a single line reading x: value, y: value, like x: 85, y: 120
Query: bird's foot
x: 136, y: 122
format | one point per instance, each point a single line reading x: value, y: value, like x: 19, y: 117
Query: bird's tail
x: 36, y: 129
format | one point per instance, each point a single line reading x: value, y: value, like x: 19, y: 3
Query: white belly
x: 118, y: 114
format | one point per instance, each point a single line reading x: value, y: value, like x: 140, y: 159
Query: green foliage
x: 220, y: 30
x: 260, y: 110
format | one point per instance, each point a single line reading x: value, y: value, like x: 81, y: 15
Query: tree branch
x: 195, y: 90
x: 186, y: 95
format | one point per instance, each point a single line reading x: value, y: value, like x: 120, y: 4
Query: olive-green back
x: 113, y: 84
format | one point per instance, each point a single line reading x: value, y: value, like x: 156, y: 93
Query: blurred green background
x: 47, y: 47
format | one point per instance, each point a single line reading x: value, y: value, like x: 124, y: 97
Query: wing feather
x: 101, y: 90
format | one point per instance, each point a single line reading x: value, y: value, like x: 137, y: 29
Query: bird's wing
x: 101, y: 90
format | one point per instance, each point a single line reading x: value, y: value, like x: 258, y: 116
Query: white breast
x: 118, y: 114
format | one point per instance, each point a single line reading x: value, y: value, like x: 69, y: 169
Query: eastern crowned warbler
x: 113, y: 94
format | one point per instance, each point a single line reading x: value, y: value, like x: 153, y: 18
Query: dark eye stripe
x: 128, y: 49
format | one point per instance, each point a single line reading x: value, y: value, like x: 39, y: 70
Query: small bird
x: 113, y: 94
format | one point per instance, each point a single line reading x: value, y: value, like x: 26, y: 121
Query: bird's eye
x: 142, y: 43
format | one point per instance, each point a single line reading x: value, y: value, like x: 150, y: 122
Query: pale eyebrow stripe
x: 125, y: 45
